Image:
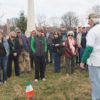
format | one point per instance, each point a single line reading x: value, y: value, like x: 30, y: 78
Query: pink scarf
x: 72, y: 43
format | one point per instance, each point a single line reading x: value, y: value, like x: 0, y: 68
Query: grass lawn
x: 58, y: 86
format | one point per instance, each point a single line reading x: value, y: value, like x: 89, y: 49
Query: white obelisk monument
x: 30, y: 17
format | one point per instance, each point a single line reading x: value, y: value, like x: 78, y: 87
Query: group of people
x: 22, y: 51
x: 68, y: 46
x: 14, y: 49
x: 40, y: 49
x: 78, y: 46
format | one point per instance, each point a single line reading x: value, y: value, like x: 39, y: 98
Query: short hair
x: 12, y: 33
x: 95, y: 17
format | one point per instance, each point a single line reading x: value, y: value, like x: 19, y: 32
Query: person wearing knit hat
x: 92, y: 55
x: 70, y: 33
x: 70, y: 52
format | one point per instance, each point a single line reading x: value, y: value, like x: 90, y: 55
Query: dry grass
x: 58, y: 86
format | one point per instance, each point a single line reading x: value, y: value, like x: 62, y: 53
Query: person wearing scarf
x: 70, y: 52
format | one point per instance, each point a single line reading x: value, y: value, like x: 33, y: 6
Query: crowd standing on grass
x: 78, y: 46
x: 40, y: 49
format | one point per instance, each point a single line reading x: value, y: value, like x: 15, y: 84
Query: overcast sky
x: 12, y: 8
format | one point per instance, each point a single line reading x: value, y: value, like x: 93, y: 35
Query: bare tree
x: 69, y: 20
x: 41, y: 19
x: 55, y: 21
x: 96, y: 9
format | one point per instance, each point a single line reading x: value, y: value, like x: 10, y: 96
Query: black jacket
x: 39, y: 46
x: 14, y: 46
x: 55, y: 42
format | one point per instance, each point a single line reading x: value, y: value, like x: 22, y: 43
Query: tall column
x: 8, y: 26
x: 30, y: 17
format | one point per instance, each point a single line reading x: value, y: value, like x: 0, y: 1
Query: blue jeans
x: 94, y: 74
x: 3, y: 66
x: 81, y: 52
x: 57, y: 62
